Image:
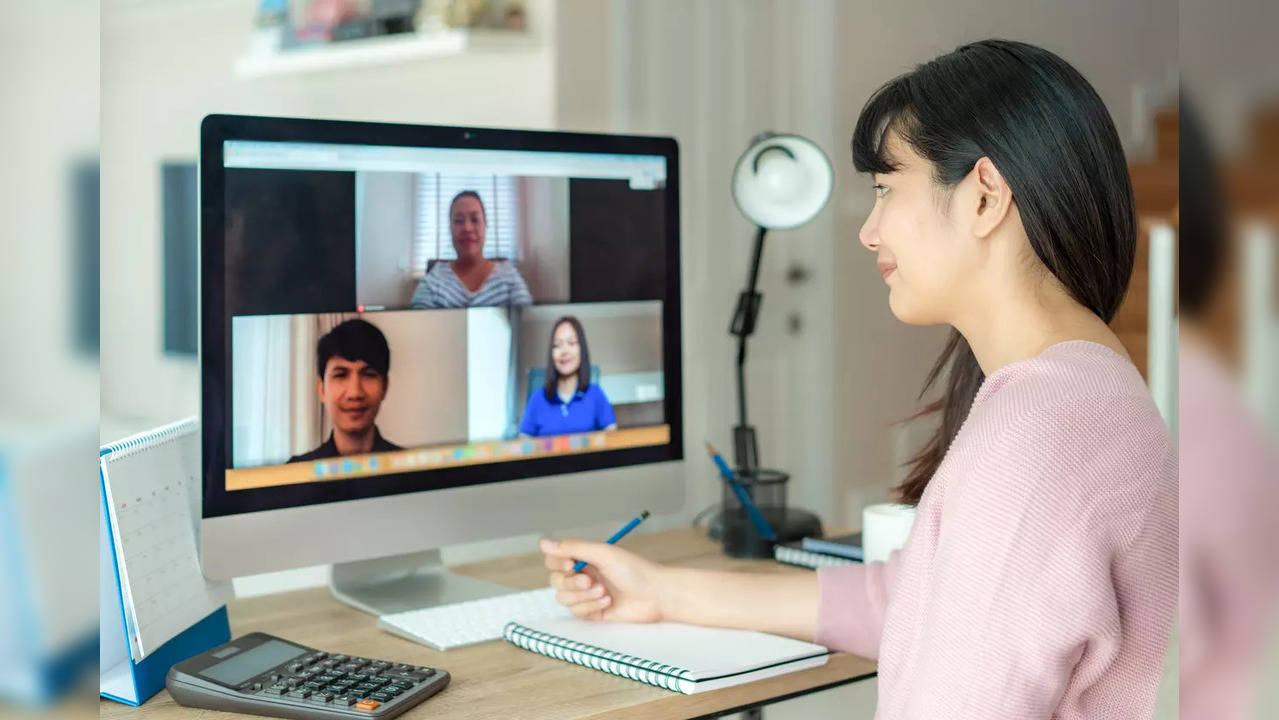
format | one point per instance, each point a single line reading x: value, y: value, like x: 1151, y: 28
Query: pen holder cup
x: 767, y: 489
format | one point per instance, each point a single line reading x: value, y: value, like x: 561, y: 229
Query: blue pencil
x: 577, y: 567
x: 761, y: 523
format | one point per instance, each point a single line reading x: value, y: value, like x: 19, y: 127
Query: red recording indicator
x: 359, y: 308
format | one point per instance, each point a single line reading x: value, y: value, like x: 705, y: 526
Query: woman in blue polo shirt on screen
x: 569, y: 403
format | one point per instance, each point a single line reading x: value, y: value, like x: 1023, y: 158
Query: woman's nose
x: 869, y: 234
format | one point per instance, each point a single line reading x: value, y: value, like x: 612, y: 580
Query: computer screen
x: 402, y: 308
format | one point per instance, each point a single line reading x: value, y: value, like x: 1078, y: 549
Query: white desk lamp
x: 780, y: 182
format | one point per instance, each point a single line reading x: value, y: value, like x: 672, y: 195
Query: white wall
x: 488, y: 379
x: 384, y: 239
x: 50, y: 123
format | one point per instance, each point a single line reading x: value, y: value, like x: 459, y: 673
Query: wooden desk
x: 499, y: 680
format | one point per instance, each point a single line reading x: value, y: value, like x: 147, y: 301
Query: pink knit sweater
x: 1040, y: 577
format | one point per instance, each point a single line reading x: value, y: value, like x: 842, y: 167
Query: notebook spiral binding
x: 809, y: 559
x: 635, y: 668
x: 133, y: 444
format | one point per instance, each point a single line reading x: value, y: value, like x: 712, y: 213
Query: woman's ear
x: 994, y: 199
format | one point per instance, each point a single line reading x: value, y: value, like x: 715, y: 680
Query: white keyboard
x: 445, y: 627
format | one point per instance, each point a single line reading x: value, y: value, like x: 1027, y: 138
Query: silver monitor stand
x: 405, y: 582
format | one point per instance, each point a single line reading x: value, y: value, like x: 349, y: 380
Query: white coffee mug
x: 885, y: 528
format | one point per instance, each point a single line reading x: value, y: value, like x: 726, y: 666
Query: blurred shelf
x: 385, y: 50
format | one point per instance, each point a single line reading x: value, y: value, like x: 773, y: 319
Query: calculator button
x: 300, y: 693
x: 347, y: 700
x: 382, y: 697
x: 367, y: 704
x: 322, y: 697
x: 341, y: 658
x: 295, y: 668
x: 276, y: 690
x: 313, y: 685
x: 393, y: 690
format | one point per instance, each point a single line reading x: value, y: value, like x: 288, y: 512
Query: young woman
x: 569, y: 402
x: 1040, y: 577
x: 471, y: 280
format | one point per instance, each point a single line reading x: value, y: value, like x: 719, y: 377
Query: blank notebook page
x: 703, y: 651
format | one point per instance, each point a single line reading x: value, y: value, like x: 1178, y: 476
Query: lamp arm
x: 744, y: 319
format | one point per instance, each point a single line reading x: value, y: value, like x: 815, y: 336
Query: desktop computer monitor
x: 414, y: 336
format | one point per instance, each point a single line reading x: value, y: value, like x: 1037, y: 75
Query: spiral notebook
x: 685, y: 658
x: 793, y: 553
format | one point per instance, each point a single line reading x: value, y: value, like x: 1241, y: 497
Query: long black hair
x: 1049, y: 134
x: 584, y: 359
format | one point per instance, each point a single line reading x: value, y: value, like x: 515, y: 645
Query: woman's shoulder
x: 1070, y: 383
x: 505, y: 269
x: 439, y: 270
x: 1077, y: 419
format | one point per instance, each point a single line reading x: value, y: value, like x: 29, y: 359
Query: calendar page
x: 153, y: 488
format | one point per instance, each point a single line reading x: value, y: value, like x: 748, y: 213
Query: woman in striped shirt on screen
x: 471, y: 280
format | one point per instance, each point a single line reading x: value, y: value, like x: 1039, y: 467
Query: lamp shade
x: 782, y: 181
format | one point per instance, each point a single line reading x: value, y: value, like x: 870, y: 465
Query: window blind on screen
x: 433, y: 239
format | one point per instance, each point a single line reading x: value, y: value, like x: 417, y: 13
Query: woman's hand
x: 616, y: 585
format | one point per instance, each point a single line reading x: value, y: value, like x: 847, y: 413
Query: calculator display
x: 244, y: 665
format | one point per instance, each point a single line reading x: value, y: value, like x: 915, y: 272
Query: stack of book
x: 821, y: 552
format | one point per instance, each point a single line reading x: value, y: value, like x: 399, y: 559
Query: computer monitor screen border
x: 215, y: 329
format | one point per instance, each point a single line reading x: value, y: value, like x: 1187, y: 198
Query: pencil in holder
x: 740, y: 537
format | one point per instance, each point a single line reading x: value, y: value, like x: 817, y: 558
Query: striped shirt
x: 442, y: 288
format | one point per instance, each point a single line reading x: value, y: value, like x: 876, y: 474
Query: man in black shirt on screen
x: 353, y: 362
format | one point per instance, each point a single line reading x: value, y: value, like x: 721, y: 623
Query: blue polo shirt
x: 588, y: 410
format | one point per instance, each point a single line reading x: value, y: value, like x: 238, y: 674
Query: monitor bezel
x: 215, y: 360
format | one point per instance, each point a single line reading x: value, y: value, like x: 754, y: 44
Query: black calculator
x: 261, y: 674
